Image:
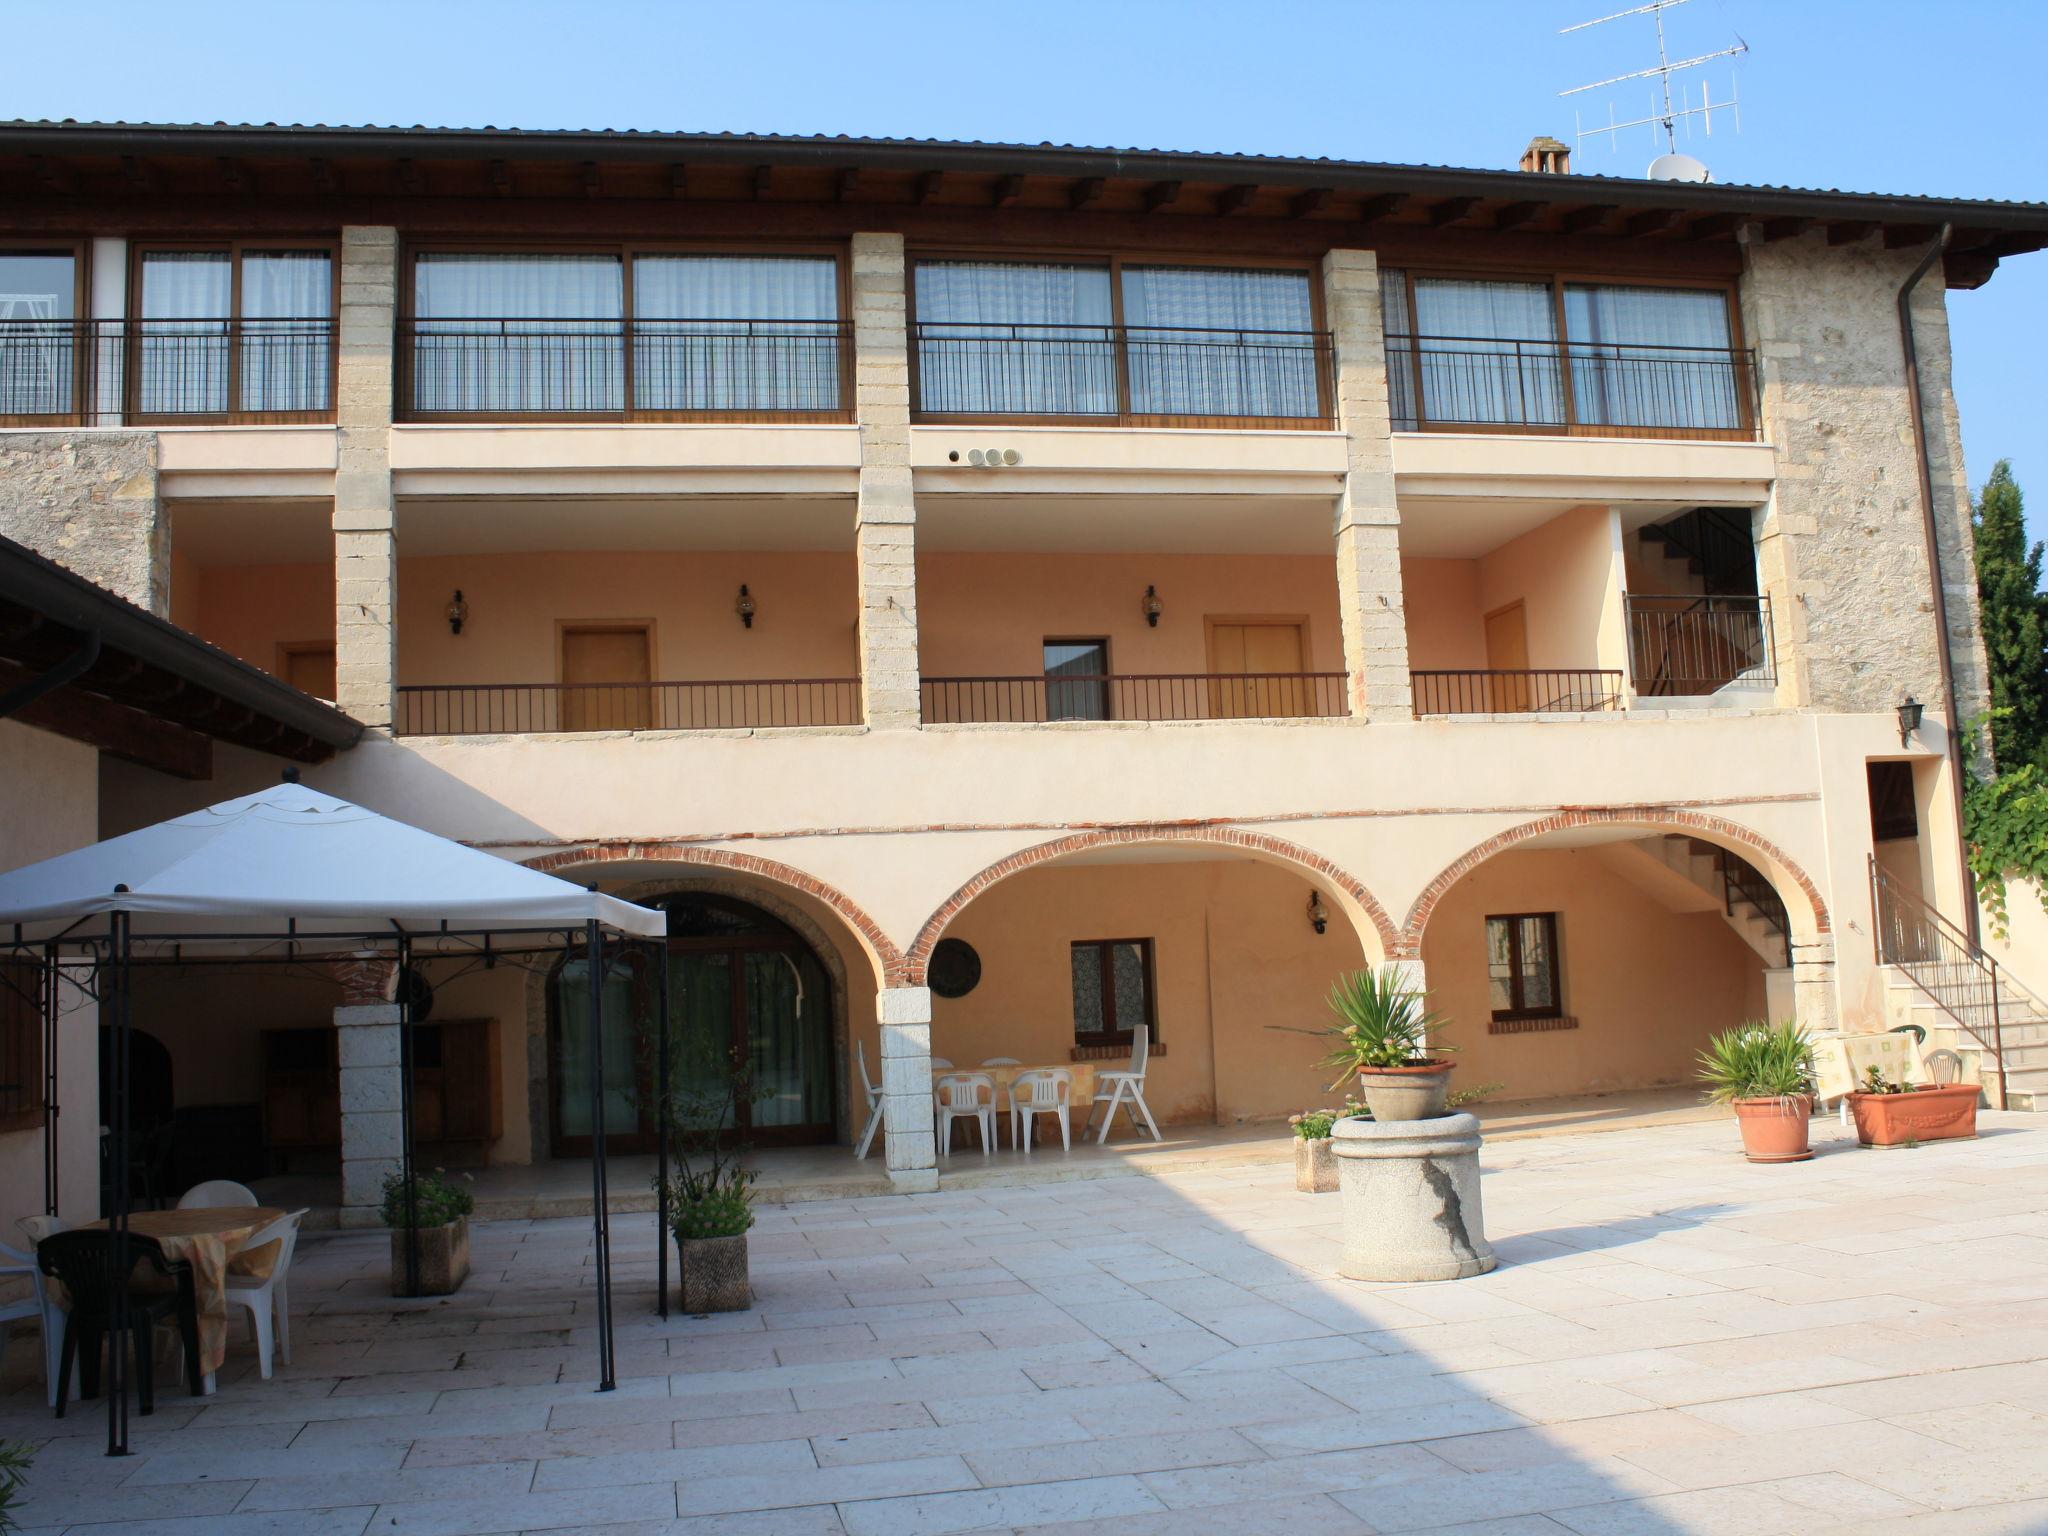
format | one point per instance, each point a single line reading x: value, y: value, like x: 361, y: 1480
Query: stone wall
x: 88, y: 500
x: 1841, y: 547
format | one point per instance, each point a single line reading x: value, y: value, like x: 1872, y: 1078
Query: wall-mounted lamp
x: 1318, y: 914
x: 743, y: 605
x: 1153, y: 606
x: 1909, y: 720
x: 458, y: 610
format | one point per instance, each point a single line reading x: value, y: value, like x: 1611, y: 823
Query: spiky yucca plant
x: 1757, y: 1061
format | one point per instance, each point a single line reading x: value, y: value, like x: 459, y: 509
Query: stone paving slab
x: 1676, y: 1342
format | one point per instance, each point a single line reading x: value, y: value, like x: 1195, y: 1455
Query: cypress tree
x: 2015, y: 619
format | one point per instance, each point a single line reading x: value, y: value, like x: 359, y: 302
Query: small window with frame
x: 1522, y: 966
x: 1113, y: 990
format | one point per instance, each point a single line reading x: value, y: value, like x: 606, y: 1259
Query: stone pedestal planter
x: 1315, y: 1166
x: 1410, y: 1191
x: 711, y: 1274
x: 444, y: 1258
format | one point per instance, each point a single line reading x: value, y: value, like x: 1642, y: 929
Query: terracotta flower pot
x: 444, y: 1258
x: 1774, y: 1130
x: 1919, y: 1114
x: 1315, y: 1165
x: 1417, y: 1092
x: 711, y: 1275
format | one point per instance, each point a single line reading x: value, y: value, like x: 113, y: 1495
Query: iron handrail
x: 1573, y: 690
x: 1890, y: 902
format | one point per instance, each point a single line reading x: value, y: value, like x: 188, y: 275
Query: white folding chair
x: 1126, y: 1088
x: 217, y: 1192
x: 38, y: 1304
x: 874, y: 1099
x: 268, y: 1297
x: 965, y: 1096
x: 1046, y: 1092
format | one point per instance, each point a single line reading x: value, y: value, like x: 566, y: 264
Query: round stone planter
x: 711, y: 1274
x: 1315, y: 1165
x: 1419, y: 1092
x: 1410, y: 1192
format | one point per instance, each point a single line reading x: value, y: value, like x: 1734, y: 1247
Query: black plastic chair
x: 84, y: 1263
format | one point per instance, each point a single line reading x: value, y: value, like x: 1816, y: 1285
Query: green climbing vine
x: 2005, y: 824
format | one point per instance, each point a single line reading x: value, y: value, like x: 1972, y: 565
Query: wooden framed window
x: 21, y: 1045
x: 1522, y: 966
x: 1113, y: 990
x: 231, y: 329
x: 42, y: 356
x: 1894, y: 813
x: 1077, y: 679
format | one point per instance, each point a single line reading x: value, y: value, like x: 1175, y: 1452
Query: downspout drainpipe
x: 70, y: 669
x: 1928, y: 529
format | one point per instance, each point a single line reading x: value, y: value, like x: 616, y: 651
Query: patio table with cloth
x: 210, y: 1238
x: 1082, y: 1072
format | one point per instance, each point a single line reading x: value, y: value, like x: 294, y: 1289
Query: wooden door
x: 1507, y: 651
x: 605, y: 672
x: 310, y: 669
x: 1261, y: 663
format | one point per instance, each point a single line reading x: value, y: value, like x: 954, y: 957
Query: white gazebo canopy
x: 289, y: 861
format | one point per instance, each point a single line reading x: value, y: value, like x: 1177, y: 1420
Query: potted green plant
x: 442, y: 1211
x: 711, y: 1198
x: 1384, y: 1034
x: 1765, y: 1073
x: 1894, y: 1114
x: 16, y: 1457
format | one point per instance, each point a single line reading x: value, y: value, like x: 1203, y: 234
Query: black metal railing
x: 1133, y: 696
x: 1543, y: 691
x: 512, y: 369
x: 1742, y: 881
x: 1123, y: 374
x: 504, y: 709
x: 1685, y: 645
x: 1598, y: 389
x: 107, y: 372
x: 1943, y: 961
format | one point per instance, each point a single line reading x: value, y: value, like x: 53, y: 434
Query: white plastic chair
x: 217, y: 1192
x: 939, y: 1064
x: 39, y: 1304
x: 965, y: 1096
x: 1126, y: 1088
x: 874, y: 1098
x: 1046, y: 1092
x: 269, y: 1299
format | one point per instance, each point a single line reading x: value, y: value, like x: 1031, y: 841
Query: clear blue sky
x: 1864, y: 95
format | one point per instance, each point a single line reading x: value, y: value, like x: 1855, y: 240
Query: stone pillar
x: 905, y: 1014
x: 1368, y: 519
x: 885, y: 521
x: 372, y: 1133
x: 365, y: 521
x: 1813, y: 982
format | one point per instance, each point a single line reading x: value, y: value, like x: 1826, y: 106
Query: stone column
x: 905, y: 1014
x: 365, y: 521
x: 1368, y: 519
x: 885, y: 521
x: 1813, y: 982
x: 372, y: 1133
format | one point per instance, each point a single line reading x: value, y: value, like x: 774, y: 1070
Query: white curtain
x: 182, y: 344
x: 1220, y: 341
x: 286, y: 335
x: 38, y: 343
x: 1651, y: 357
x: 1399, y: 328
x: 736, y: 333
x: 1015, y: 338
x: 1076, y: 686
x: 517, y: 333
x: 1488, y: 352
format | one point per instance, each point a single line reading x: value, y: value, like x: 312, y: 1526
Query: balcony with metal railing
x: 104, y: 373
x: 1527, y: 691
x: 1041, y: 699
x: 1683, y: 646
x: 1121, y: 375
x: 1582, y: 389
x: 503, y: 709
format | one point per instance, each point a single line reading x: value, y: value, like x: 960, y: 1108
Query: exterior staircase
x: 1707, y: 552
x: 1938, y: 980
x: 1746, y: 898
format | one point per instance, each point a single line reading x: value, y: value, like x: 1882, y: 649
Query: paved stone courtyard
x: 1675, y: 1342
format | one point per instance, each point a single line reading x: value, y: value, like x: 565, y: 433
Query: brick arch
x: 1780, y: 865
x: 918, y: 955
x: 887, y: 958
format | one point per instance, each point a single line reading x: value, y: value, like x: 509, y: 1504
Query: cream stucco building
x: 997, y: 597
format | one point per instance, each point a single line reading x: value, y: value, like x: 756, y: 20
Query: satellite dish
x: 1677, y: 168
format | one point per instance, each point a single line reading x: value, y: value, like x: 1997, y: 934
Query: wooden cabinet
x: 456, y: 1106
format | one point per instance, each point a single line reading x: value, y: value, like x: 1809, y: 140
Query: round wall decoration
x: 955, y: 968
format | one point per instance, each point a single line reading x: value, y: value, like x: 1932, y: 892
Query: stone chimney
x: 1547, y: 156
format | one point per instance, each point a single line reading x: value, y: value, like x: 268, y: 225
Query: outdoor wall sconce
x: 1909, y: 720
x: 1153, y: 606
x: 744, y: 606
x: 1318, y: 914
x: 458, y: 610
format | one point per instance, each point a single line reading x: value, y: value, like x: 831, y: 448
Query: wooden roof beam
x: 1786, y: 229
x: 928, y: 184
x: 1652, y: 221
x: 1086, y: 191
x: 501, y: 178
x: 1849, y: 231
x: 233, y: 173
x: 1008, y: 190
x: 1310, y: 203
x: 1235, y: 199
x: 1450, y: 210
x: 1161, y: 194
x: 409, y: 177
x: 1515, y: 215
x: 1373, y: 209
x: 1898, y: 236
x: 1712, y: 226
x: 51, y: 174
x: 678, y: 179
x: 847, y: 181
x: 137, y: 175
x: 325, y: 181
x: 1588, y: 220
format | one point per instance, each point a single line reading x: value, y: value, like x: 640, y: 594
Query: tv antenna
x: 1665, y: 114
